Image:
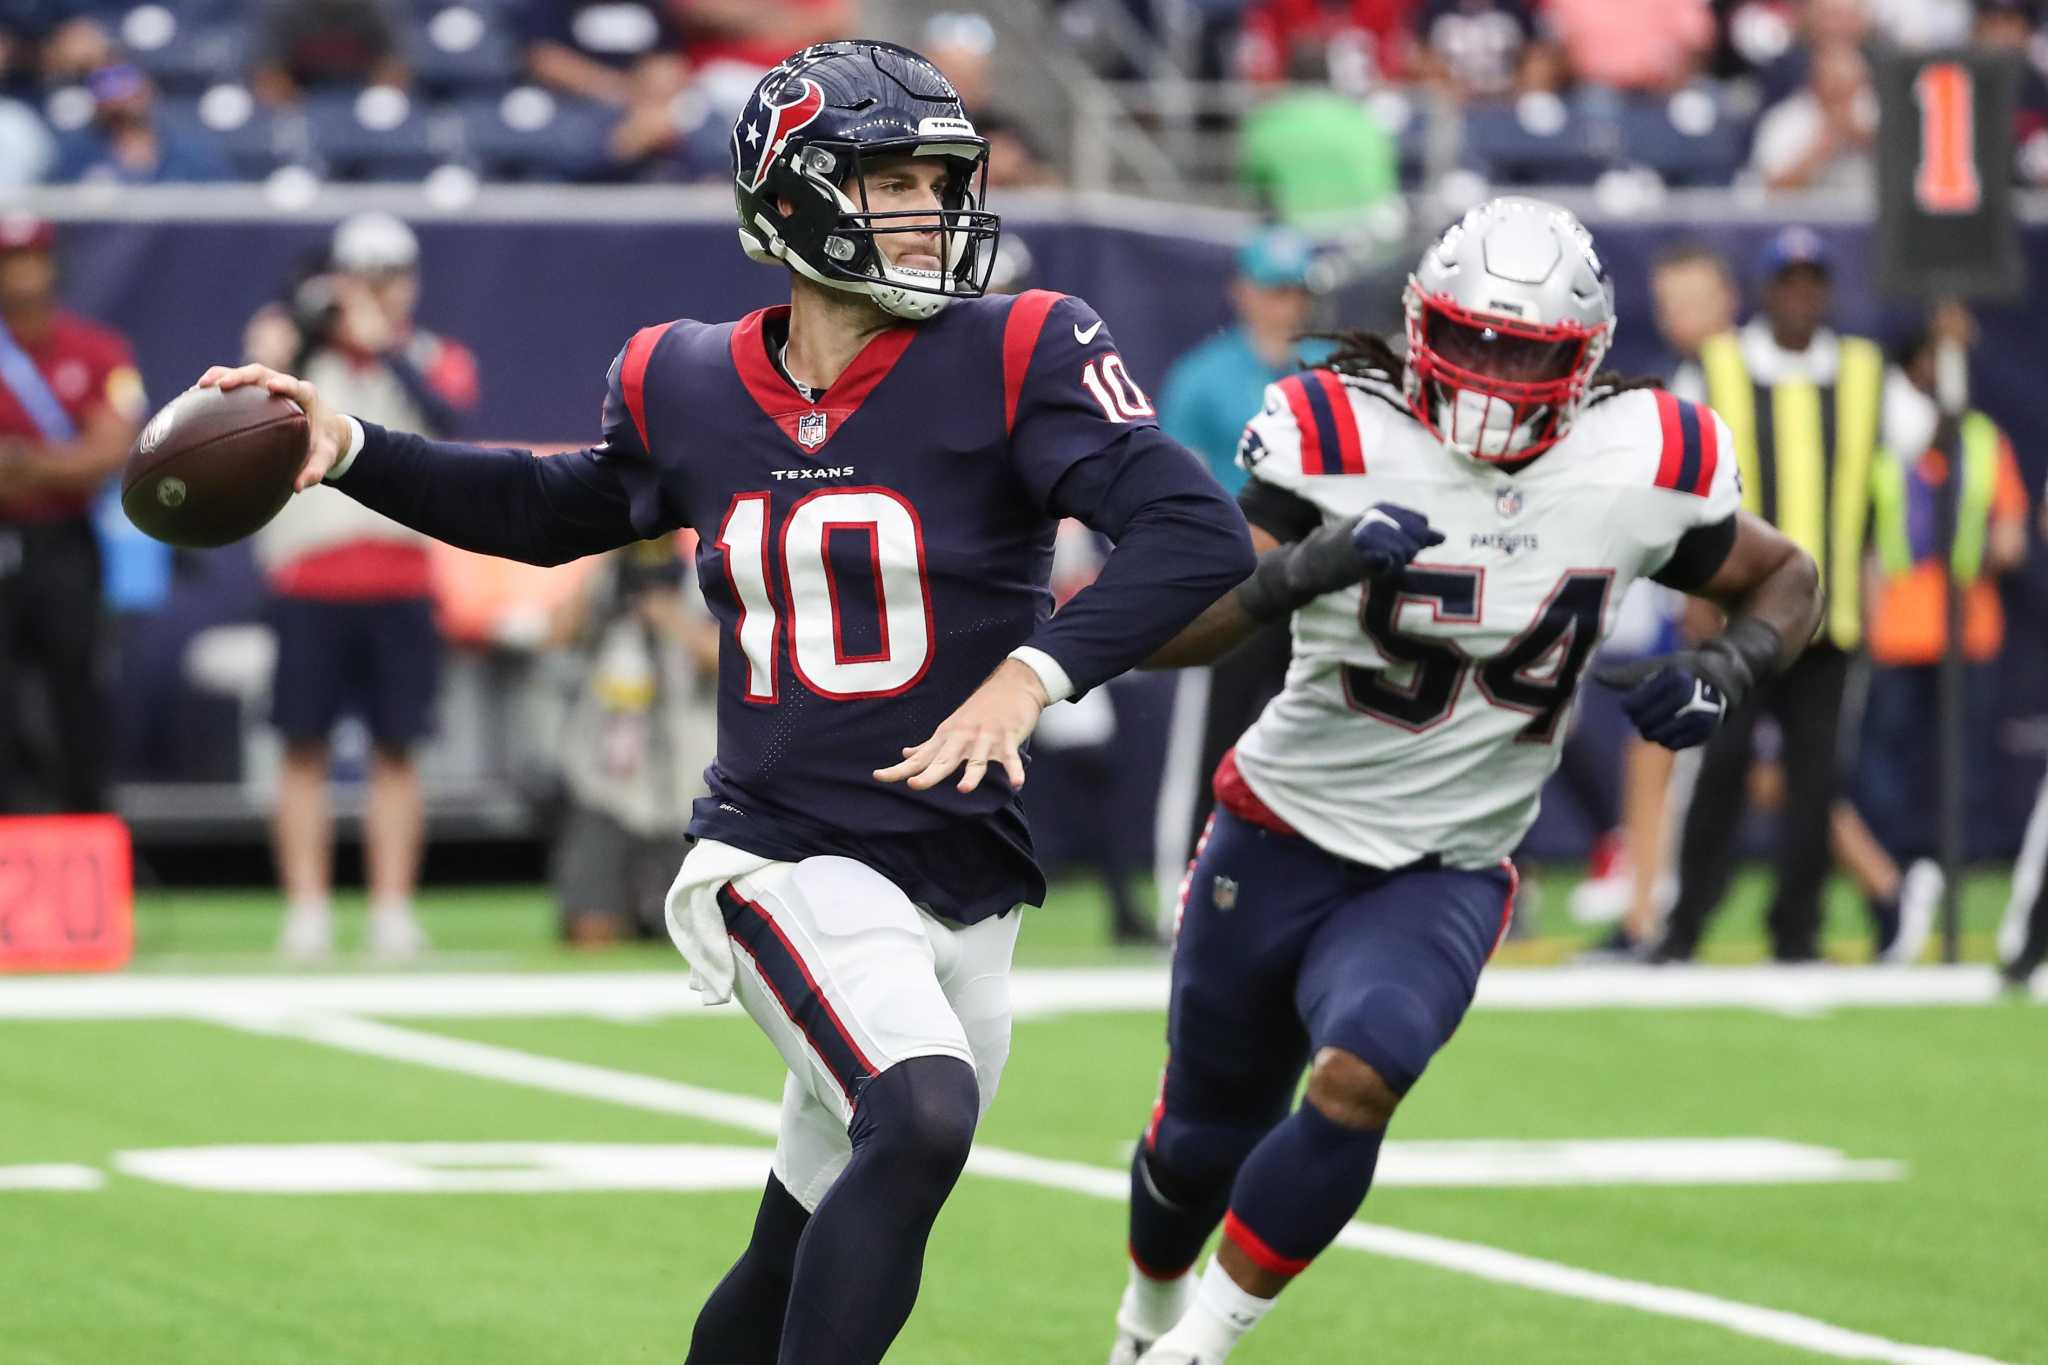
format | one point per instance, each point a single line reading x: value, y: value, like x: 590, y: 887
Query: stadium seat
x: 184, y: 54
x: 1692, y: 138
x: 1538, y: 139
x: 377, y: 134
x: 463, y: 46
x: 530, y: 134
x: 256, y: 139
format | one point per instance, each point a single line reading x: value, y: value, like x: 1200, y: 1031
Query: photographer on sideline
x: 353, y: 606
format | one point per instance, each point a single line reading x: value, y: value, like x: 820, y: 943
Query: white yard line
x: 1037, y: 992
x: 762, y: 1116
x: 50, y: 1177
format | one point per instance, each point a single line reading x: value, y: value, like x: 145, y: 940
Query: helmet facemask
x: 817, y: 192
x: 1493, y: 387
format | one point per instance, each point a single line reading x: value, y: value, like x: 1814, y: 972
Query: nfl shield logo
x: 1224, y: 893
x: 810, y: 430
x: 1508, y: 502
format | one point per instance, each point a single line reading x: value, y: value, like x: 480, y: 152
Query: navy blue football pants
x: 1284, y: 950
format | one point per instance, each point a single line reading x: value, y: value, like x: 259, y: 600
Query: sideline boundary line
x: 494, y: 1062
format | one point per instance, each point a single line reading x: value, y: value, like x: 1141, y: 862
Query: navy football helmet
x: 811, y: 126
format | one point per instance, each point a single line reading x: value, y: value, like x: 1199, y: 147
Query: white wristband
x: 1058, y: 686
x: 349, y: 452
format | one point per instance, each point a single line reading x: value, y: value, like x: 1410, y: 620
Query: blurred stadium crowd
x: 1771, y: 93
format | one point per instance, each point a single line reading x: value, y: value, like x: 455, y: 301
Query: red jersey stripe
x: 1673, y: 458
x: 1350, y: 451
x: 633, y: 376
x: 1312, y: 456
x: 1020, y: 338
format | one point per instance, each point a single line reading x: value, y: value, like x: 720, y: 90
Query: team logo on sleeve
x: 811, y: 430
x: 1251, y: 448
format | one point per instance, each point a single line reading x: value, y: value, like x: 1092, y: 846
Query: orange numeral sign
x: 66, y: 894
x: 1947, y: 180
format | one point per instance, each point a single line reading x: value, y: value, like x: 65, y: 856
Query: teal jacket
x: 1213, y: 390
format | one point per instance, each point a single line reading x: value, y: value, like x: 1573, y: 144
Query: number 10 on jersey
x: 814, y: 627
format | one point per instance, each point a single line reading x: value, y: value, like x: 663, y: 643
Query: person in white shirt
x: 1821, y: 138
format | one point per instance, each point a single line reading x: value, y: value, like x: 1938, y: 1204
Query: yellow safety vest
x: 1979, y: 473
x: 1819, y: 497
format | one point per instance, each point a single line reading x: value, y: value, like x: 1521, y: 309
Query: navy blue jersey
x: 873, y: 555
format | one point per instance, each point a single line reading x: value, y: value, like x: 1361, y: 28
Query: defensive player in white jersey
x: 1452, y: 535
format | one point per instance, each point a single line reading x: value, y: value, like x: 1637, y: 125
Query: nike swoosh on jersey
x: 1084, y: 337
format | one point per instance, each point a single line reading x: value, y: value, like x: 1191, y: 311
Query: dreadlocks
x: 1363, y: 355
x: 1368, y: 355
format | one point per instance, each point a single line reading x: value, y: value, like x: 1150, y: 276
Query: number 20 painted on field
x: 815, y: 624
x: 1947, y: 179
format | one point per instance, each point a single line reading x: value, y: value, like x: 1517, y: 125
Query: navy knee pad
x: 1393, y: 1029
x: 1192, y: 1158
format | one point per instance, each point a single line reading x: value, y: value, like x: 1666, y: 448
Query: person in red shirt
x: 1356, y: 43
x: 70, y: 405
x: 757, y: 33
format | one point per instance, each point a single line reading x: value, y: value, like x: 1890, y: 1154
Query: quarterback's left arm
x: 1085, y: 444
x: 1770, y: 590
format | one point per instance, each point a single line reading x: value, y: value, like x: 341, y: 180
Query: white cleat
x: 1163, y: 1354
x: 307, y: 935
x: 1128, y: 1349
x: 1920, y: 892
x: 1147, y: 1311
x: 396, y: 936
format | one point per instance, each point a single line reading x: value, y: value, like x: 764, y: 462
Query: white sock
x: 1218, y: 1318
x: 1151, y: 1307
x: 391, y: 906
x: 308, y: 907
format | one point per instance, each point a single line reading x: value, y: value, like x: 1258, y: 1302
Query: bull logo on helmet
x: 763, y: 136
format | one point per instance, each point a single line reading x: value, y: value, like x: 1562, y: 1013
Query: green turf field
x: 1940, y: 1240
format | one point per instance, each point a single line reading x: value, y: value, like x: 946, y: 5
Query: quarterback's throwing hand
x: 990, y: 727
x: 329, y: 428
x: 1670, y: 700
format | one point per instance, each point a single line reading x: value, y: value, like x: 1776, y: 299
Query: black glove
x: 1377, y: 545
x: 1679, y: 700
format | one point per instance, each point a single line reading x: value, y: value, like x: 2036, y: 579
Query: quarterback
x: 875, y: 472
x: 1495, y: 493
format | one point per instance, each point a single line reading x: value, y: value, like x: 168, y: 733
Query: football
x: 214, y: 465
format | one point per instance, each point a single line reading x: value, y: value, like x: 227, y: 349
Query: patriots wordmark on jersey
x: 1421, y: 716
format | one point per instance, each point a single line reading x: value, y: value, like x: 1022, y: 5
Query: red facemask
x: 1493, y: 386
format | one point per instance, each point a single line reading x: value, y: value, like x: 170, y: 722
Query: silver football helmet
x: 1510, y: 314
